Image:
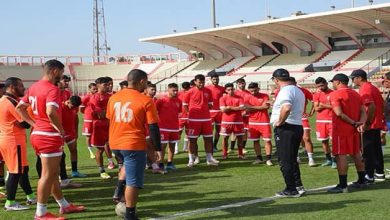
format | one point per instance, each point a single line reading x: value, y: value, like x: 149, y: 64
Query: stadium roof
x: 306, y: 32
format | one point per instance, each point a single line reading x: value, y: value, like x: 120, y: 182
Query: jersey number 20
x: 123, y: 113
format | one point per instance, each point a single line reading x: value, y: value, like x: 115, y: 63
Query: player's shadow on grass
x: 267, y: 209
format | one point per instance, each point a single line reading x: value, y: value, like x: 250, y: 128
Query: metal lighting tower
x: 100, y: 47
x: 213, y: 13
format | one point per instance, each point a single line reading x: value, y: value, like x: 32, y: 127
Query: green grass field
x: 189, y: 189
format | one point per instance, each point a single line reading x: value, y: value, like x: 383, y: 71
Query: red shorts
x: 183, y: 123
x: 346, y: 144
x: 246, y: 122
x: 70, y: 136
x: 87, y: 128
x: 323, y: 130
x: 99, y: 137
x: 47, y: 144
x: 169, y: 136
x: 216, y: 117
x: 197, y: 128
x: 228, y: 129
x: 259, y: 130
x: 305, y: 124
x: 15, y: 153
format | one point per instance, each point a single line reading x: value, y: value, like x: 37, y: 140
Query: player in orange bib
x: 128, y: 111
x: 13, y: 145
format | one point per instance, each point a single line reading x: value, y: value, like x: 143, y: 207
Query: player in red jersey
x: 323, y: 107
x: 123, y: 84
x: 183, y: 117
x: 197, y: 103
x: 348, y: 121
x: 217, y: 92
x: 168, y: 108
x: 70, y: 124
x: 87, y: 122
x: 99, y: 137
x: 47, y: 137
x: 231, y: 106
x: 372, y: 146
x: 306, y: 140
x: 257, y: 105
x: 153, y: 159
x: 242, y: 92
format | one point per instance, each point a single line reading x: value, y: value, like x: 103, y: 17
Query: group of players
x: 210, y: 111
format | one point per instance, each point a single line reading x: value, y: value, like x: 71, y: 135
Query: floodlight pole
x: 213, y: 13
x: 353, y: 3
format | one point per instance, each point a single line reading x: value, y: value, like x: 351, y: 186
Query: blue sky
x: 43, y: 27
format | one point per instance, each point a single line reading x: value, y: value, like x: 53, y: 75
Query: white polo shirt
x: 289, y: 95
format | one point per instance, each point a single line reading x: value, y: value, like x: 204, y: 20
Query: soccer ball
x: 120, y: 209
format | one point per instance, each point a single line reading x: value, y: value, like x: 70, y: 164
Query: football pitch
x: 234, y: 190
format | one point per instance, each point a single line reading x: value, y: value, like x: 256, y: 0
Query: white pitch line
x: 233, y: 205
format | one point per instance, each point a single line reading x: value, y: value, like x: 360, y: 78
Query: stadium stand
x: 29, y: 74
x: 255, y: 64
x: 202, y: 67
x: 361, y: 60
x: 233, y: 64
x: 85, y: 74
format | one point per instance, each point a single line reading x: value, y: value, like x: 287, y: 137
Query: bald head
x: 137, y: 79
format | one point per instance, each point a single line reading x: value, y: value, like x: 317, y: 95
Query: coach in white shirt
x: 286, y: 119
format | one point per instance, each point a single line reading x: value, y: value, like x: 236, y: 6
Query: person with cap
x: 286, y: 119
x: 372, y: 145
x: 348, y: 120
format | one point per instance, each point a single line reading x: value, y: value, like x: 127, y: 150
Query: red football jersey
x: 183, y: 114
x: 98, y: 104
x: 242, y: 93
x: 232, y: 116
x: 39, y: 95
x: 168, y: 112
x: 198, y: 101
x: 68, y: 115
x: 324, y: 98
x: 216, y: 93
x: 371, y: 94
x: 257, y: 100
x: 308, y: 96
x: 87, y: 108
x: 350, y: 103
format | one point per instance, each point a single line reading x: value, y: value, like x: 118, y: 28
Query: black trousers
x: 372, y: 152
x: 288, y: 138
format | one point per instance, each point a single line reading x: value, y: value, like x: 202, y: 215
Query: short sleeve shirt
x: 216, y: 93
x: 183, y: 114
x: 371, y: 94
x: 198, y: 101
x: 168, y: 112
x: 260, y: 116
x: 98, y: 104
x: 40, y: 95
x: 129, y: 112
x: 350, y: 103
x: 8, y: 118
x: 324, y: 98
x: 232, y: 116
x: 293, y: 96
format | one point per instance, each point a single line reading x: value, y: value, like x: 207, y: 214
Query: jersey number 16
x: 123, y: 113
